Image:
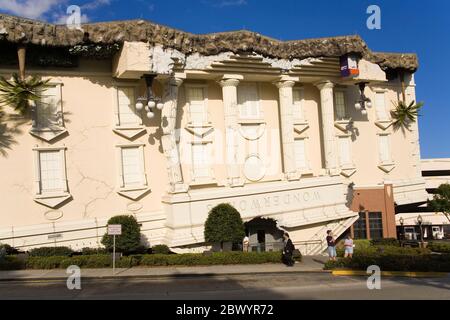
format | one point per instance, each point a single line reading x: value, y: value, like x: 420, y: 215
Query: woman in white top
x: 348, y: 244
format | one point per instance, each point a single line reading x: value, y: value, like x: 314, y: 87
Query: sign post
x: 114, y: 230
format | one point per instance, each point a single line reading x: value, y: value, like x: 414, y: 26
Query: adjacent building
x: 149, y: 121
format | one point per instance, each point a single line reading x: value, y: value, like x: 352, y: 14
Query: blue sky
x: 416, y: 26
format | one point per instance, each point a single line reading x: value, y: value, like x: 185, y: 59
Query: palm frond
x: 19, y: 93
x: 403, y: 114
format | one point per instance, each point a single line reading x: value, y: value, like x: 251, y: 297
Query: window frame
x: 118, y: 125
x: 390, y: 159
x: 59, y: 125
x: 206, y: 118
x: 38, y: 173
x: 298, y: 111
x: 344, y: 94
x: 121, y: 177
x: 306, y: 168
x: 350, y: 163
x: 386, y: 110
x: 260, y: 111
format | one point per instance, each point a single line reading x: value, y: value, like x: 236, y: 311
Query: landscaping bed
x: 153, y: 260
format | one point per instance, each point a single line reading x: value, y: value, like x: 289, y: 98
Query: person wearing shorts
x: 331, y: 241
x: 349, y: 247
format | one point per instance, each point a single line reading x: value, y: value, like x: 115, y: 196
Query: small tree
x: 224, y: 224
x: 130, y: 240
x: 441, y: 200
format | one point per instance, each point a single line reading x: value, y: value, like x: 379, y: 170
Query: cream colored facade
x: 276, y: 138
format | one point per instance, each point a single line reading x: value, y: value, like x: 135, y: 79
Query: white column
x: 287, y: 128
x: 169, y: 140
x: 230, y: 102
x: 329, y: 137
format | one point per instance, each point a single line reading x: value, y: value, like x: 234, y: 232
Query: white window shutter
x: 298, y: 104
x: 132, y: 167
x: 197, y: 106
x: 380, y: 106
x: 345, y: 151
x: 300, y: 154
x: 126, y: 100
x: 248, y: 100
x: 339, y: 97
x: 384, y: 146
x: 51, y: 172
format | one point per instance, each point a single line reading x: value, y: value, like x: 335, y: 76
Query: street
x: 238, y: 287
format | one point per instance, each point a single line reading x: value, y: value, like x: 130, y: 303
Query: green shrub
x: 387, y: 262
x: 161, y: 249
x: 385, y: 242
x: 51, y: 251
x: 93, y: 251
x: 130, y: 240
x: 224, y: 224
x: 439, y: 247
x: 7, y: 249
x: 11, y: 263
x: 45, y: 263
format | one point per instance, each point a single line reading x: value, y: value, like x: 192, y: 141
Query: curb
x: 163, y: 277
x: 402, y: 274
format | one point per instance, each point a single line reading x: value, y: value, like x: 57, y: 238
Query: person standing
x: 349, y: 247
x: 331, y: 242
x: 245, y: 244
x: 288, y: 251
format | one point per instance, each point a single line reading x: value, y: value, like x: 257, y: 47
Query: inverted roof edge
x: 22, y: 30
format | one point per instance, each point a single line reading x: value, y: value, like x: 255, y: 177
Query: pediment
x: 384, y: 124
x: 348, y: 172
x: 129, y: 133
x: 200, y: 132
x: 48, y: 135
x: 301, y: 127
x: 387, y: 167
x: 343, y: 125
x: 53, y: 201
x: 134, y: 194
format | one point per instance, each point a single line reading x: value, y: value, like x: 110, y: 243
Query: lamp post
x: 402, y: 229
x: 363, y: 103
x: 420, y: 221
x: 151, y: 101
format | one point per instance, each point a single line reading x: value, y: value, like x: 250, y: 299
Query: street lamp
x: 402, y: 223
x: 151, y: 101
x: 363, y: 103
x: 420, y: 221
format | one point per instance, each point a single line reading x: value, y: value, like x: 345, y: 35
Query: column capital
x: 284, y: 84
x: 229, y: 83
x: 325, y: 85
x: 176, y: 81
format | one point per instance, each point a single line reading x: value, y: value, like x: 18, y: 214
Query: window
x: 345, y: 157
x: 127, y: 114
x: 376, y: 225
x: 133, y: 171
x: 384, y: 149
x: 300, y: 154
x: 198, y: 110
x: 360, y: 227
x: 339, y: 102
x: 200, y: 161
x: 51, y: 172
x: 248, y: 99
x: 298, y: 104
x: 380, y: 106
x: 48, y: 110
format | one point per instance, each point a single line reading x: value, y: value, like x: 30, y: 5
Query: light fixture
x: 151, y: 101
x: 363, y: 103
x: 402, y: 221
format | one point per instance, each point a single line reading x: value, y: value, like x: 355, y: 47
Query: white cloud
x: 95, y: 4
x: 33, y: 9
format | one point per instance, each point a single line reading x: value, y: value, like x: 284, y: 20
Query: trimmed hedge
x: 93, y: 251
x: 390, y: 262
x: 154, y: 260
x: 51, y: 251
x: 11, y: 263
x: 387, y: 250
x: 439, y: 247
x: 161, y: 249
x: 385, y: 242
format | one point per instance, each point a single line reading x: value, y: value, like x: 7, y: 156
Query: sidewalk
x: 308, y: 265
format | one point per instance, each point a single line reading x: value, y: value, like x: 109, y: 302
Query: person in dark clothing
x: 331, y: 242
x: 288, y: 251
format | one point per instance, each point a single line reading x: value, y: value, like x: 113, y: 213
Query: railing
x: 308, y: 247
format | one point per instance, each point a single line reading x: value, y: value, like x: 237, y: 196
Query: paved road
x: 260, y: 287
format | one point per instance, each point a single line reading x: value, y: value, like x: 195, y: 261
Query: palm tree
x: 404, y: 114
x: 21, y: 93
